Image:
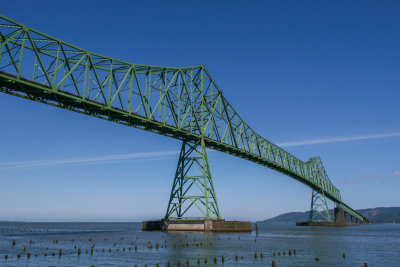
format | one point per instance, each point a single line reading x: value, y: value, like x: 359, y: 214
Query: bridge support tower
x: 193, y: 203
x: 319, y: 208
x: 340, y: 216
x: 193, y: 185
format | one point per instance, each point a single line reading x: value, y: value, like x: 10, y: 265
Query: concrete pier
x: 320, y: 223
x: 340, y: 220
x: 151, y: 225
x: 215, y: 225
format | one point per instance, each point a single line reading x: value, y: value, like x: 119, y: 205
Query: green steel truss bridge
x: 182, y: 103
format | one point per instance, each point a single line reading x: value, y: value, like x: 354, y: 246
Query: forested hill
x: 378, y: 215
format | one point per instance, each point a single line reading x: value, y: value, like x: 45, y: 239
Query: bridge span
x: 182, y: 103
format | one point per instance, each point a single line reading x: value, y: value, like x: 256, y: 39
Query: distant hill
x: 378, y: 215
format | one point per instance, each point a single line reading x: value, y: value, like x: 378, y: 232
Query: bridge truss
x: 182, y: 103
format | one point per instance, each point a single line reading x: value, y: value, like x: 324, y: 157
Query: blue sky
x: 317, y: 77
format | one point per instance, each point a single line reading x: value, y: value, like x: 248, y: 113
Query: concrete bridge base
x: 320, y: 223
x: 341, y: 219
x: 214, y: 225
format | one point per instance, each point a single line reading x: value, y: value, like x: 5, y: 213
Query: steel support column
x: 193, y: 195
x: 319, y: 208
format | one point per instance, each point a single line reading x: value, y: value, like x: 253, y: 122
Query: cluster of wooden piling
x: 181, y: 242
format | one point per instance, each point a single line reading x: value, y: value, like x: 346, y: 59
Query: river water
x: 113, y: 244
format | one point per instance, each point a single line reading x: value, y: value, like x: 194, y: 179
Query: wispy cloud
x: 362, y: 178
x: 337, y: 140
x: 396, y: 173
x: 89, y: 160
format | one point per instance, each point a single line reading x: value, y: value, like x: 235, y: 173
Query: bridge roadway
x: 182, y: 103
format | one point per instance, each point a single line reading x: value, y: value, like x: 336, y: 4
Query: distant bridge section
x: 183, y: 103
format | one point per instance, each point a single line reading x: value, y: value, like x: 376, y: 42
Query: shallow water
x: 378, y: 245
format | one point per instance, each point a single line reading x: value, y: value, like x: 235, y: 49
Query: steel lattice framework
x: 193, y: 185
x: 183, y: 103
x: 319, y: 210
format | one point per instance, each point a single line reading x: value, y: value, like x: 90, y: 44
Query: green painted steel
x: 183, y: 103
x: 193, y: 185
x: 319, y: 210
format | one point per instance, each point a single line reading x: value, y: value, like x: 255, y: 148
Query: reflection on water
x: 124, y: 244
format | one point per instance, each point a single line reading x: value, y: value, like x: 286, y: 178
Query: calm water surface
x: 114, y: 245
